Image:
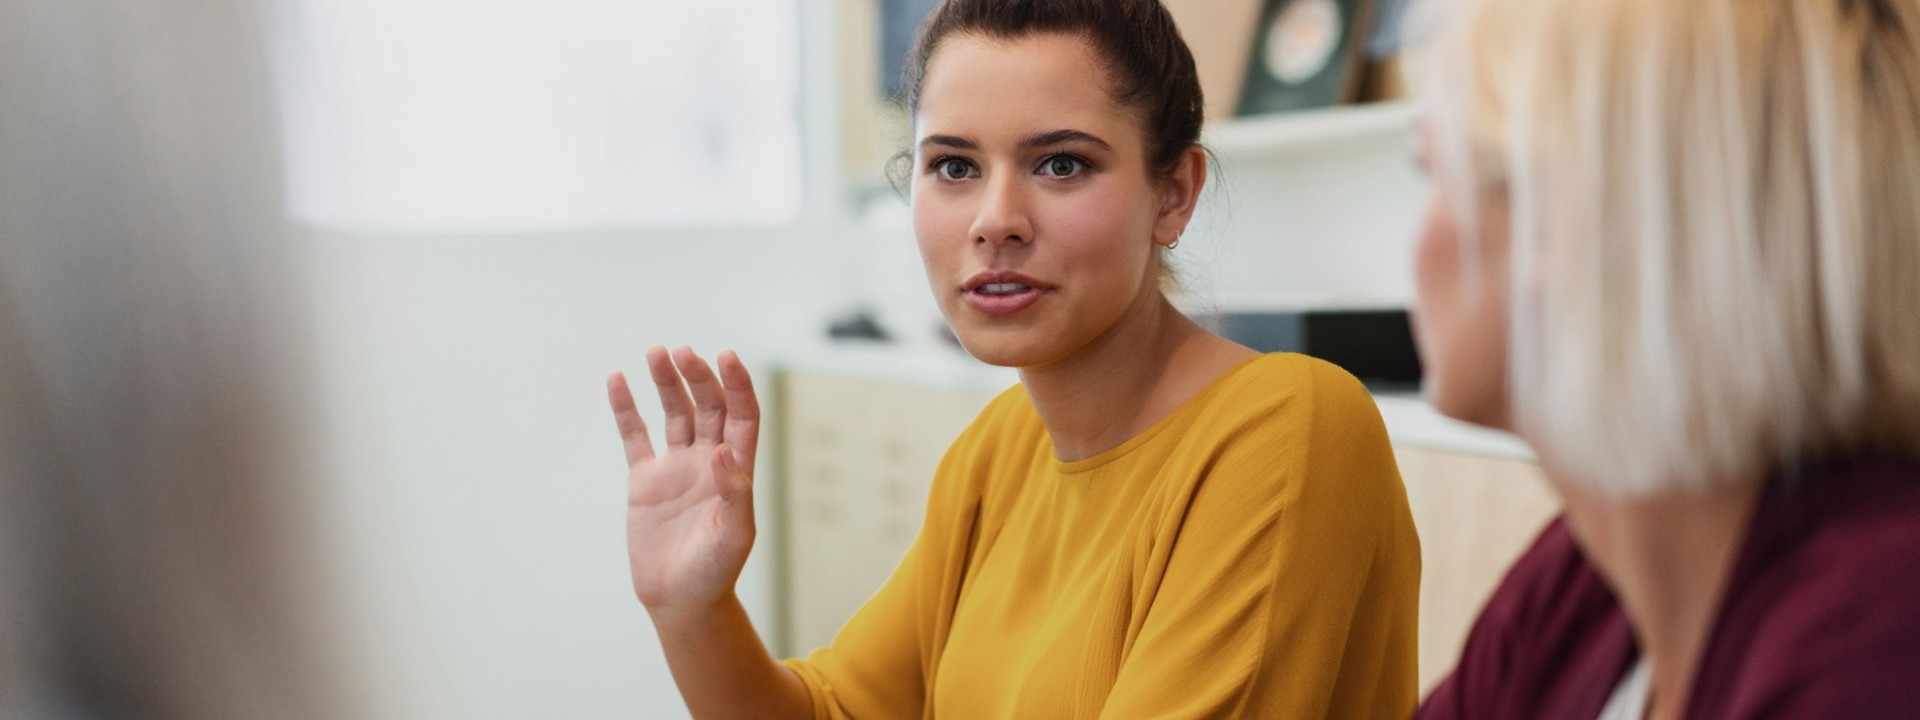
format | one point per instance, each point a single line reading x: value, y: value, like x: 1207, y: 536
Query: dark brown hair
x: 1147, y: 62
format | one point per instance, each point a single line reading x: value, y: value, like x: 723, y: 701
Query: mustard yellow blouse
x: 1250, y: 555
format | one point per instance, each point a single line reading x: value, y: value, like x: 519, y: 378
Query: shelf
x: 1279, y: 135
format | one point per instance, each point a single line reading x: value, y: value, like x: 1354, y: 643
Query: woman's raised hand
x: 690, y: 505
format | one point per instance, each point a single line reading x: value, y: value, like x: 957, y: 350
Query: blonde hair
x: 1715, y: 213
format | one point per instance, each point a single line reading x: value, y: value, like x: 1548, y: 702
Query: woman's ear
x: 1179, y: 194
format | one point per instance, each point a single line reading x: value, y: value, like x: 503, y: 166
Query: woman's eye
x: 951, y: 169
x: 1063, y: 166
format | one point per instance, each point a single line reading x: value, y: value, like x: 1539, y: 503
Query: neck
x: 1668, y: 559
x: 1126, y: 380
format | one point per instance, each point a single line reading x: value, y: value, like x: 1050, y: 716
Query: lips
x: 1002, y: 293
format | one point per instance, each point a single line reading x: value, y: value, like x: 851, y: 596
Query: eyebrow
x: 1058, y: 137
x: 953, y: 141
x: 1036, y: 140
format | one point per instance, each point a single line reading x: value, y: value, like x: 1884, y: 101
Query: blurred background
x: 494, y: 203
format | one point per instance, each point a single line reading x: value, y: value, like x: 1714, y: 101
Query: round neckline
x: 1192, y: 404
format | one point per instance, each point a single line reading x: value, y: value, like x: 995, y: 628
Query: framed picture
x: 1306, y: 54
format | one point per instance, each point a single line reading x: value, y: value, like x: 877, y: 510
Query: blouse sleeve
x: 1294, y: 578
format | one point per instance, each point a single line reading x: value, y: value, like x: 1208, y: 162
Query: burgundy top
x: 1821, y: 618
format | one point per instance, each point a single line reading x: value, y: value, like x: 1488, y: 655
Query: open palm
x: 689, y: 506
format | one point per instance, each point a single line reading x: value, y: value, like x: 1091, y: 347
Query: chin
x: 1461, y: 401
x: 1007, y: 347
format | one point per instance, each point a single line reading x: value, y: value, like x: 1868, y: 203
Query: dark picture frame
x: 1307, y: 54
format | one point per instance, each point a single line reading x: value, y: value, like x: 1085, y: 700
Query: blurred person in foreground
x: 151, y: 564
x: 1676, y: 246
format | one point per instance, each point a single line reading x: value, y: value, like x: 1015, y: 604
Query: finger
x: 673, y: 397
x: 734, y: 483
x: 735, y: 488
x: 743, y: 408
x: 633, y: 430
x: 709, y: 401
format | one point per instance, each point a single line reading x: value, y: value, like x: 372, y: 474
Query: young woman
x: 1676, y: 246
x: 1155, y: 523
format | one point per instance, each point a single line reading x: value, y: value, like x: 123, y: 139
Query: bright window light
x: 531, y: 115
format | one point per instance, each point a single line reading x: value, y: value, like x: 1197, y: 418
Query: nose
x: 1002, y: 217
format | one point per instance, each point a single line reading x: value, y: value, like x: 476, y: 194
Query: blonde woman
x: 1676, y: 246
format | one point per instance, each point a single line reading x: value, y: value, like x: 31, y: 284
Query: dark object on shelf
x: 1383, y: 81
x: 1375, y: 345
x: 1306, y: 54
x: 859, y: 325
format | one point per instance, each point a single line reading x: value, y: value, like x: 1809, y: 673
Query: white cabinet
x: 859, y: 456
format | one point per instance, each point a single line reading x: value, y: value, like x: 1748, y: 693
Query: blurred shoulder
x: 1825, y: 625
x: 1843, y: 646
x: 1551, y: 641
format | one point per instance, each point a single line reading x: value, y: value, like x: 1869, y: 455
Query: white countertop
x: 1410, y: 420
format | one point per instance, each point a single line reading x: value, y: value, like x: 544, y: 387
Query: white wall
x: 479, y: 507
x: 478, y: 511
x: 1328, y: 221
